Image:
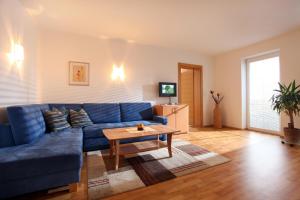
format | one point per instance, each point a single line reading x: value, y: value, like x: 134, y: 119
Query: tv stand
x: 170, y: 100
x: 178, y: 116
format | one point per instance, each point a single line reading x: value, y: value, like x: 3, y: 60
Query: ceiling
x: 205, y: 26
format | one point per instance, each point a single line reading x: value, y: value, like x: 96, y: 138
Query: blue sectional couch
x: 32, y: 159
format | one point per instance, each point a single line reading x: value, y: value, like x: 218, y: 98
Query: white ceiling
x: 205, y: 26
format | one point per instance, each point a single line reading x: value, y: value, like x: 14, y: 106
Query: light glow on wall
x: 118, y: 73
x: 16, y: 54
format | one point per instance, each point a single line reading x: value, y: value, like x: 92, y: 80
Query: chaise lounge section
x: 32, y: 159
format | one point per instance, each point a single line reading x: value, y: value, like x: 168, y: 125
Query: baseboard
x: 232, y: 127
x: 208, y: 126
x: 246, y: 129
x: 224, y: 126
x: 264, y: 132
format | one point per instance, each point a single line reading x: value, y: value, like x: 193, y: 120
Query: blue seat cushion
x: 27, y: 122
x: 103, y: 112
x: 95, y: 131
x: 93, y: 144
x: 136, y: 111
x: 52, y: 153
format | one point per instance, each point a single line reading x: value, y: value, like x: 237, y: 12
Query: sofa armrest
x: 161, y: 119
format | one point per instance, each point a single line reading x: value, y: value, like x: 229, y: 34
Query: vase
x: 217, y: 117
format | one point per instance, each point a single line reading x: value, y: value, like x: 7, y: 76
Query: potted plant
x: 217, y: 111
x: 287, y: 100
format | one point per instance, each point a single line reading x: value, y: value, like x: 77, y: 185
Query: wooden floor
x: 261, y: 168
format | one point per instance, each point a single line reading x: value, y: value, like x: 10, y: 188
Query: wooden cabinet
x: 178, y: 115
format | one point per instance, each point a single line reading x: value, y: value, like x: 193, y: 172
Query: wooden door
x: 190, y: 91
x: 187, y: 91
x: 182, y: 119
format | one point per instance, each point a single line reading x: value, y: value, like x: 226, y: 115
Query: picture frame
x: 79, y: 73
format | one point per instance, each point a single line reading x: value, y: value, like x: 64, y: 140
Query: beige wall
x: 228, y: 74
x: 17, y: 81
x: 144, y: 66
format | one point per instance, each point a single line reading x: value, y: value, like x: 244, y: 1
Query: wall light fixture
x: 118, y: 73
x: 17, y: 53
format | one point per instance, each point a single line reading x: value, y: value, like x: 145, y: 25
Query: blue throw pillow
x: 56, y: 120
x: 79, y: 118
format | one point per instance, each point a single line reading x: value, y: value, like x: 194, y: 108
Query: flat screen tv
x: 167, y: 89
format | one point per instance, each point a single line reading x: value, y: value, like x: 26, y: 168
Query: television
x: 167, y: 89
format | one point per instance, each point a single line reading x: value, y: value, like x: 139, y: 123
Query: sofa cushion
x: 93, y: 144
x: 103, y: 112
x: 50, y: 154
x: 80, y: 119
x: 136, y: 111
x: 27, y: 122
x: 56, y: 120
x: 95, y: 131
x: 64, y: 111
x: 160, y: 119
x: 74, y: 106
x: 6, y: 136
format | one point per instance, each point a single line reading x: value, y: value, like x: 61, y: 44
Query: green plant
x: 287, y: 100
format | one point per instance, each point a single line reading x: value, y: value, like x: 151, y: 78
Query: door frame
x: 200, y: 68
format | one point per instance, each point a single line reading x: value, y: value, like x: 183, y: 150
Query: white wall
x: 144, y: 66
x: 228, y: 74
x: 17, y: 81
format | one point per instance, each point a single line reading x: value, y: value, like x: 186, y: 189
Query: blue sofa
x: 32, y: 159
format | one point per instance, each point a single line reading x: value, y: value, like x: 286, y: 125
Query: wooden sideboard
x: 178, y: 115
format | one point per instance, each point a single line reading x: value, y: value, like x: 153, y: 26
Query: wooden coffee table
x: 116, y: 134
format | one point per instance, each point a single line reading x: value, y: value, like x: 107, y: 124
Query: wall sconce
x: 17, y: 53
x: 118, y: 73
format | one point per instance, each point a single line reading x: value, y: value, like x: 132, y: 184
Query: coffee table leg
x: 169, y: 141
x: 111, y: 149
x: 117, y: 154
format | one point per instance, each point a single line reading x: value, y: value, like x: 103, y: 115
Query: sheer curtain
x: 263, y: 78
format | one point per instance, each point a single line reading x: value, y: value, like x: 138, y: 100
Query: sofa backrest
x: 6, y: 136
x: 27, y: 122
x: 103, y: 112
x: 74, y: 106
x: 136, y: 111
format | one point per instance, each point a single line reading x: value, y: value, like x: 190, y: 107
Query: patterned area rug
x: 146, y: 168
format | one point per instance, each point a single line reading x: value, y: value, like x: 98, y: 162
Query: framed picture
x: 78, y: 73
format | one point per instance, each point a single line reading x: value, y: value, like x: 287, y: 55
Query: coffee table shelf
x: 118, y: 134
x: 137, y: 147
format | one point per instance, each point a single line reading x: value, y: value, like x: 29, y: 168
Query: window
x: 263, y: 75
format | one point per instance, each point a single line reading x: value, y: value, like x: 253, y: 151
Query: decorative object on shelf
x: 287, y: 100
x: 140, y: 127
x: 217, y: 111
x: 78, y: 73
